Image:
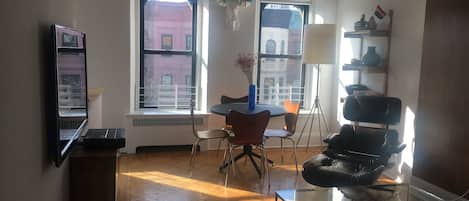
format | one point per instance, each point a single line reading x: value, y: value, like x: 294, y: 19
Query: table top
x: 379, y: 193
x: 224, y: 109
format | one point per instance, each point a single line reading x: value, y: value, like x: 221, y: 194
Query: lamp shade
x: 319, y: 44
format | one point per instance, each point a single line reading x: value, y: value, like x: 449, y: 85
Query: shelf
x: 365, y: 68
x: 370, y: 33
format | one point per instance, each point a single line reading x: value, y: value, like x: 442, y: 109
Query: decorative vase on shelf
x: 361, y: 25
x: 371, y: 58
x: 372, y: 23
x: 252, y: 97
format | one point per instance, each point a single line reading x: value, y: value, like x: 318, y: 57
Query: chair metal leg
x: 230, y: 155
x: 226, y: 178
x: 281, y: 149
x: 233, y: 164
x: 194, y: 149
x: 264, y: 161
x: 226, y: 148
x: 294, y: 153
x: 218, y: 147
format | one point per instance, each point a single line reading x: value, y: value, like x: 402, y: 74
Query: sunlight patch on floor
x: 288, y: 167
x: 194, y: 185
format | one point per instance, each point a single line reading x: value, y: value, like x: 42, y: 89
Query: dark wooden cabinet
x: 93, y: 174
x: 442, y: 124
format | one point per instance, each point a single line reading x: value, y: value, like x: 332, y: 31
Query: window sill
x: 175, y: 113
x: 165, y: 113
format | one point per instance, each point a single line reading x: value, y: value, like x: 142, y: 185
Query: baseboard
x: 275, y: 147
x: 165, y: 148
x: 424, y: 190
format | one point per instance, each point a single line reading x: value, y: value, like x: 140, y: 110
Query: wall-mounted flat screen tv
x: 67, y: 105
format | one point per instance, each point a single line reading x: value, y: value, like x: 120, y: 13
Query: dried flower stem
x: 246, y: 63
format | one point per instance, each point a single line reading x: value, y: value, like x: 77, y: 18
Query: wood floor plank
x: 166, y: 176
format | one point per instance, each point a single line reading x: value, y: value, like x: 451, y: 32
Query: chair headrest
x: 373, y: 109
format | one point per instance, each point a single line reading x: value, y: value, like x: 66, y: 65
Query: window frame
x: 166, y: 52
x: 282, y: 55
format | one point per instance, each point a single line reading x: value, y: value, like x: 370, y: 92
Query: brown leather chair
x: 291, y: 117
x: 248, y: 130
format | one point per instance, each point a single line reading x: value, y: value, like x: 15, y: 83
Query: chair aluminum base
x: 232, y: 162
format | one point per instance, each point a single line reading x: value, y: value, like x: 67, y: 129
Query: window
x: 167, y: 53
x: 188, y: 42
x: 269, y: 83
x: 166, y: 80
x: 166, y: 41
x: 282, y: 47
x: 281, y: 72
x: 270, y: 47
x: 188, y: 80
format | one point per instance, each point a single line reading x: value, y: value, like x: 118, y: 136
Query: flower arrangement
x: 246, y: 63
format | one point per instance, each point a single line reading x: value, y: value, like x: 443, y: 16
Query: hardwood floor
x: 165, y: 176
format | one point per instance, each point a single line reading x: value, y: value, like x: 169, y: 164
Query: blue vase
x: 371, y: 58
x: 252, y: 97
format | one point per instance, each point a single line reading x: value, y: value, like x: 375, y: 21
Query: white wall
x: 404, y: 72
x: 224, y: 78
x: 405, y: 61
x: 26, y: 172
x: 107, y: 24
x: 110, y: 27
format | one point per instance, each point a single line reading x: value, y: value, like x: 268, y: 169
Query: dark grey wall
x: 26, y: 172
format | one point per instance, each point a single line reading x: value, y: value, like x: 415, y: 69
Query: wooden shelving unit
x: 365, y: 33
x: 365, y: 68
x: 361, y: 68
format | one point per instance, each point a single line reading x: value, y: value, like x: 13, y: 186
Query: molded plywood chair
x: 228, y: 100
x: 291, y: 117
x: 219, y: 134
x: 248, y: 130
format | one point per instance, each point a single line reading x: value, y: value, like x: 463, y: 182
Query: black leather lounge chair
x: 358, y: 154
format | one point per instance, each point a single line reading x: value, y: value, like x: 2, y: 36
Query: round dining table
x: 225, y: 109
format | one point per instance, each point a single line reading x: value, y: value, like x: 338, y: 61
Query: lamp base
x: 316, y: 110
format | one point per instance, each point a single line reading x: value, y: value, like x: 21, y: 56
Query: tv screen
x: 69, y: 86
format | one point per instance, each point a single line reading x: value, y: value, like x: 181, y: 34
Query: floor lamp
x: 319, y: 48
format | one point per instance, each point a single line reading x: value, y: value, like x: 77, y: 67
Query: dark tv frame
x: 52, y: 104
